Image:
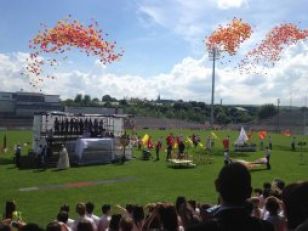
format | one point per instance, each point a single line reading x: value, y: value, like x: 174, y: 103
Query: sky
x: 164, y: 49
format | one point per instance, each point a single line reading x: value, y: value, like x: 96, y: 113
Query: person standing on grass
x: 158, y: 147
x: 18, y: 156
x: 170, y: 142
x: 267, y: 156
x: 208, y: 143
x: 270, y: 143
x: 293, y: 143
x: 63, y: 162
x: 226, y: 143
x: 181, y: 147
x: 227, y: 159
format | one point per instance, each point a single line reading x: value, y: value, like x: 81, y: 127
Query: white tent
x: 242, y: 137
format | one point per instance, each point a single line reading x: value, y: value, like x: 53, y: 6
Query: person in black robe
x: 81, y: 126
x: 62, y: 126
x: 56, y: 125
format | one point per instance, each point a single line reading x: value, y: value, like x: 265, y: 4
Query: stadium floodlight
x: 214, y: 54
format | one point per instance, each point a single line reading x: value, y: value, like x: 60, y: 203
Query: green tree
x: 267, y: 111
x: 78, y: 98
x: 86, y: 100
x: 106, y: 98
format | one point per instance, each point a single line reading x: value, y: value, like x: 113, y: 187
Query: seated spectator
x: 54, y: 226
x: 129, y: 209
x: 31, y: 227
x: 204, y: 213
x: 272, y: 205
x: 85, y: 225
x: 66, y: 208
x: 257, y: 192
x: 5, y: 227
x: 169, y: 218
x: 89, y: 212
x: 295, y: 201
x: 153, y: 220
x: 114, y: 224
x: 126, y: 224
x: 256, y: 211
x: 234, y: 187
x: 186, y: 214
x: 81, y: 211
x: 11, y: 212
x: 105, y: 218
x: 62, y: 219
x: 138, y: 217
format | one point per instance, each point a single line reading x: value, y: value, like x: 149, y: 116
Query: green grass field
x: 151, y: 181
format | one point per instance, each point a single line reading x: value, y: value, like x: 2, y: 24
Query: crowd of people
x: 275, y: 207
x: 94, y: 127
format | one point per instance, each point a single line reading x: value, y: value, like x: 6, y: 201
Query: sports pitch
x: 40, y: 193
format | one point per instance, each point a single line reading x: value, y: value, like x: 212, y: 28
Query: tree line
x: 177, y: 109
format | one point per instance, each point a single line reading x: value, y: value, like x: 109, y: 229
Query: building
x: 25, y: 104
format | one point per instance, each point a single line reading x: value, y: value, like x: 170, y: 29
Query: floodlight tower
x: 214, y: 54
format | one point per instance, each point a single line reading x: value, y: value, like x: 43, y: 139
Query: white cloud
x: 226, y: 4
x: 189, y: 79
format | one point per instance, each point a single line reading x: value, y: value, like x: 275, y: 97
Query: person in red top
x: 150, y: 143
x: 158, y: 147
x: 226, y: 143
x: 170, y: 141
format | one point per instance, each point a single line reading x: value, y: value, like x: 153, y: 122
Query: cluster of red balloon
x: 268, y: 52
x: 64, y: 36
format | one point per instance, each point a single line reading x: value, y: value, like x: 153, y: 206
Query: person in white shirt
x: 81, y: 210
x: 105, y: 218
x: 272, y: 206
x: 66, y: 208
x: 89, y: 212
x: 62, y: 219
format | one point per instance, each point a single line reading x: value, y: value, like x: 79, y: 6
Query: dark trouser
x: 17, y: 161
x: 268, y: 166
x: 157, y: 153
x: 169, y: 149
x: 270, y: 146
x: 293, y: 146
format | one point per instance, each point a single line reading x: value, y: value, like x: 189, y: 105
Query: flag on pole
x: 145, y: 139
x: 214, y: 135
x: 189, y: 142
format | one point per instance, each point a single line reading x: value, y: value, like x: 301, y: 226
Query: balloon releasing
x: 230, y: 37
x: 268, y: 52
x: 68, y: 34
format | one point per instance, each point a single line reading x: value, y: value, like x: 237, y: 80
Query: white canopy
x: 242, y: 137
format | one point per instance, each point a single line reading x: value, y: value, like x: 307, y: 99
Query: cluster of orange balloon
x: 230, y: 37
x: 268, y: 52
x: 67, y: 34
